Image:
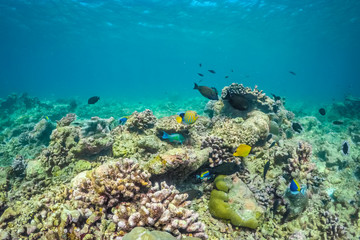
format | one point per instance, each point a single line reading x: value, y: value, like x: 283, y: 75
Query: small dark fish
x: 93, y: 100
x: 293, y: 73
x: 276, y: 205
x: 269, y: 137
x: 276, y: 98
x: 322, y: 111
x: 193, y: 194
x: 201, y: 75
x: 210, y: 93
x: 260, y: 155
x: 266, y: 168
x: 232, y: 70
x: 200, y: 64
x: 272, y: 144
x: 226, y: 76
x: 212, y: 71
x: 296, y: 127
x: 338, y: 122
x: 345, y: 148
x: 286, y: 215
x: 226, y: 168
x: 275, y: 108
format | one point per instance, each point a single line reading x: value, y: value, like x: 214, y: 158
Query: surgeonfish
x: 175, y: 137
x: 322, y: 111
x: 294, y: 186
x: 200, y: 74
x: 188, y: 117
x: 210, y: 93
x: 93, y: 100
x: 242, y: 151
x: 212, y: 71
x: 297, y: 127
x: 345, y: 147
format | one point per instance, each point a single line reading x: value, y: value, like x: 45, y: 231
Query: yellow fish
x: 242, y: 151
x: 188, y: 117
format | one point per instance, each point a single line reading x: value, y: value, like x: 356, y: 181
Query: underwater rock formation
x: 96, y: 126
x: 235, y: 202
x: 139, y: 122
x: 219, y: 153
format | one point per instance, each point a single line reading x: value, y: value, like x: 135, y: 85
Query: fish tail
x: 165, y: 135
x: 196, y: 86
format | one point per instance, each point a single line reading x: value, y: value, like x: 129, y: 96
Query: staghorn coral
x: 219, y: 153
x: 139, y: 122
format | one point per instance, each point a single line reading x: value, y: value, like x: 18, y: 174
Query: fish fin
x: 165, y: 135
x: 196, y: 86
x: 179, y: 119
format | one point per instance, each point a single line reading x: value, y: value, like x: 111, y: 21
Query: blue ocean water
x: 150, y: 49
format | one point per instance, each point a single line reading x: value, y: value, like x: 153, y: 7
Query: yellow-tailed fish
x: 242, y: 151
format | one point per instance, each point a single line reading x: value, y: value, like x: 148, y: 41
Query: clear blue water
x: 151, y: 49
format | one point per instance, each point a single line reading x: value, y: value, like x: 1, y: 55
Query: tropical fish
x: 269, y: 137
x: 296, y: 127
x: 93, y: 100
x: 276, y: 98
x: 293, y: 73
x: 204, y: 174
x: 242, y: 151
x: 193, y: 194
x: 238, y: 102
x: 123, y: 120
x: 47, y: 118
x: 294, y: 186
x: 212, y: 71
x: 201, y: 75
x: 226, y: 76
x: 175, y: 137
x: 260, y: 155
x: 200, y: 64
x: 210, y: 93
x: 188, y: 117
x: 322, y: 111
x: 272, y: 144
x: 345, y: 147
x: 266, y: 168
x: 338, y: 122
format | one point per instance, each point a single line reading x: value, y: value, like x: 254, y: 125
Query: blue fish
x: 295, y: 187
x: 123, y: 120
x: 175, y: 137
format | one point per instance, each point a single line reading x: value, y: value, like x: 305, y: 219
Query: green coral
x: 220, y: 207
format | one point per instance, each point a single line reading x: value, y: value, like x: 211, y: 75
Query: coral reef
x: 219, y: 152
x: 139, y: 122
